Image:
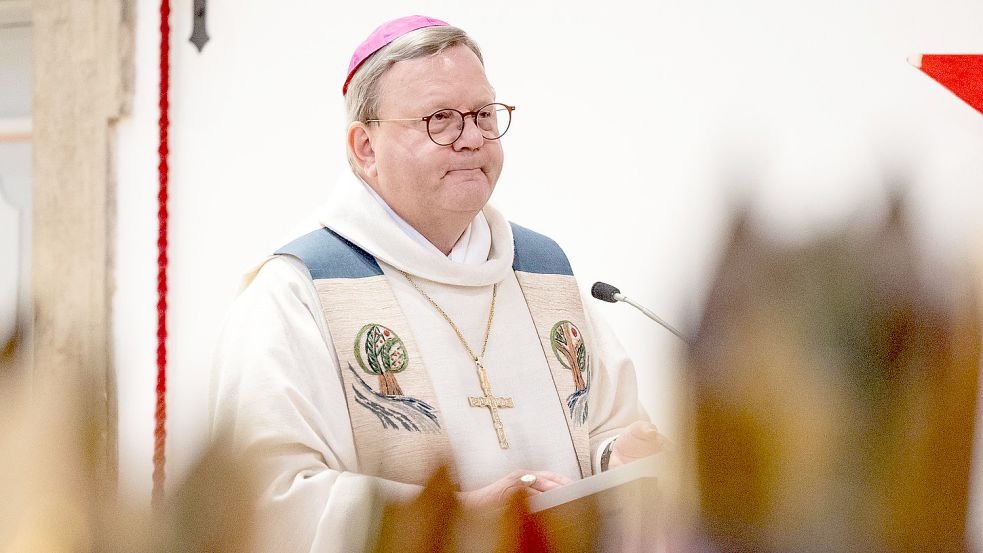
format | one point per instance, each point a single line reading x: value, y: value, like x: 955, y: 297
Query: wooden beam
x: 83, y: 59
x: 15, y: 12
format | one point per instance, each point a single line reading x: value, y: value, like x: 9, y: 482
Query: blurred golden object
x: 436, y: 522
x: 55, y: 498
x: 834, y: 388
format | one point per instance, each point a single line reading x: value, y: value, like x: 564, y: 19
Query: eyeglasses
x: 445, y: 126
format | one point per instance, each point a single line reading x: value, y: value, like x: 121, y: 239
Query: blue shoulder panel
x: 535, y: 253
x: 328, y: 255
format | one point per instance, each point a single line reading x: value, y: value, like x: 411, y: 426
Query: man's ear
x: 360, y: 149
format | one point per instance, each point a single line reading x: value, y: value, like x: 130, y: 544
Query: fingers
x: 497, y: 493
x: 544, y: 481
x: 512, y: 485
x: 542, y: 475
x: 544, y: 484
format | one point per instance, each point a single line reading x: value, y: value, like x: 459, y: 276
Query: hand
x: 640, y: 439
x: 495, y: 494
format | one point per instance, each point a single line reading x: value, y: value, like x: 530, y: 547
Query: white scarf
x: 470, y: 249
x: 485, y: 250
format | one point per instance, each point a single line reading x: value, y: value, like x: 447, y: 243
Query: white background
x: 639, y: 127
x: 15, y: 172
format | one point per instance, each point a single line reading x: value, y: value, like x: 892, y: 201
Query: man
x: 418, y: 327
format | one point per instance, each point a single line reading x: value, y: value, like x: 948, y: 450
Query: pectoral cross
x: 492, y: 403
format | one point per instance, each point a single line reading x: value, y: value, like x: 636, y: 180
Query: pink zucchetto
x: 383, y: 35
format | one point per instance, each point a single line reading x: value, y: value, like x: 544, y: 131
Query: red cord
x: 160, y: 414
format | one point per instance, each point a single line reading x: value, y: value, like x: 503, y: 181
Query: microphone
x: 605, y: 292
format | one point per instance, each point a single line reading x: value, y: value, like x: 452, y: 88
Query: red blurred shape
x: 962, y: 74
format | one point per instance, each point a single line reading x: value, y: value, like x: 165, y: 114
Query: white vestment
x: 278, y: 389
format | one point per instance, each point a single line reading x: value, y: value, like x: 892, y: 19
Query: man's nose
x: 471, y: 138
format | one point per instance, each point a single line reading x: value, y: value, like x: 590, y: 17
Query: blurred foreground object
x: 834, y: 392
x: 56, y: 499
x: 623, y: 510
x: 436, y: 521
x: 962, y: 74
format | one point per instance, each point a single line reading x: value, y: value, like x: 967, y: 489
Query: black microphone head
x: 604, y: 292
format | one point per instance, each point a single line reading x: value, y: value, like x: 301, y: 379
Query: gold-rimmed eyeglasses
x: 446, y: 125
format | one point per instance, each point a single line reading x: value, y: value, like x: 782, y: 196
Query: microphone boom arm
x: 649, y: 314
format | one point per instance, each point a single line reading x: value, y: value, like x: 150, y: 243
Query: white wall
x: 637, y: 127
x: 15, y: 173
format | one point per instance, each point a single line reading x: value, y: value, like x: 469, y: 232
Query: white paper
x: 644, y: 468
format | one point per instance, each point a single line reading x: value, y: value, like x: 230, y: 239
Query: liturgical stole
x: 398, y: 427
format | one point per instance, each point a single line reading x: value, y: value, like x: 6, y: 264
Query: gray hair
x: 363, y: 97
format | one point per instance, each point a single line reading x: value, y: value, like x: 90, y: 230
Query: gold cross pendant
x: 492, y: 403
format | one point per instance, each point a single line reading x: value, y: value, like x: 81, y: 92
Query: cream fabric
x: 349, y: 304
x: 552, y: 299
x: 277, y: 386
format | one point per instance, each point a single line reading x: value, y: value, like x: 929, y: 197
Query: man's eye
x: 486, y: 113
x: 441, y: 116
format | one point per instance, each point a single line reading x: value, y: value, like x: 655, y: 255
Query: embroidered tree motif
x: 395, y: 412
x: 384, y: 356
x: 568, y: 345
x: 569, y: 348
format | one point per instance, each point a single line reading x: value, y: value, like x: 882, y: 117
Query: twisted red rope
x: 160, y: 414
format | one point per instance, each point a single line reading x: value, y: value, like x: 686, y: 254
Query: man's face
x: 419, y: 179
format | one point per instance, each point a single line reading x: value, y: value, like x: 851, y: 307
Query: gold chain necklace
x: 487, y: 399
